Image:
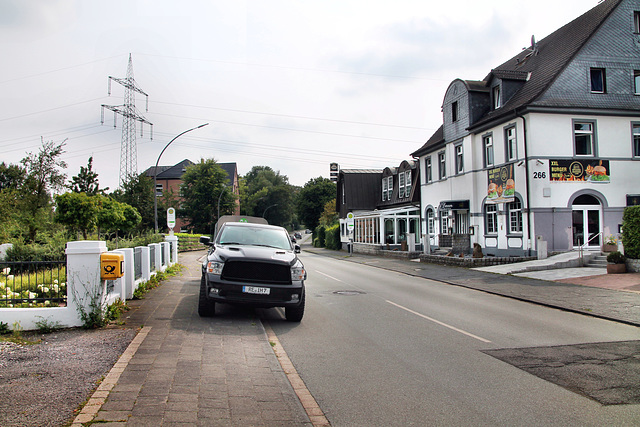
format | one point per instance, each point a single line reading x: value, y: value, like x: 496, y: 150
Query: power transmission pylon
x: 128, y: 148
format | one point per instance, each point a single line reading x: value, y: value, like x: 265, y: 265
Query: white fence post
x: 157, y: 256
x: 83, y: 276
x: 129, y: 274
x: 173, y: 244
x: 146, y: 263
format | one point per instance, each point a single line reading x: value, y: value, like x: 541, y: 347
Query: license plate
x: 256, y: 290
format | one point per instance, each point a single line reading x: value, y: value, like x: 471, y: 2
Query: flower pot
x: 616, y: 268
x: 609, y: 248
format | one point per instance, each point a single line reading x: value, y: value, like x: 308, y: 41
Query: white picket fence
x: 84, y: 283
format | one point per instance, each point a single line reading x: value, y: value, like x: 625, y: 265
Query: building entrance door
x: 586, y: 222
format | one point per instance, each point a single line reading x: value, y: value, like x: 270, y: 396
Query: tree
x: 265, y: 192
x: 203, y: 185
x: 76, y: 211
x: 43, y: 176
x: 86, y: 181
x: 312, y: 199
x: 137, y: 191
x: 329, y: 216
x: 11, y: 176
x: 113, y: 216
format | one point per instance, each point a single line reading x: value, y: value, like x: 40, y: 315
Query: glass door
x: 586, y: 226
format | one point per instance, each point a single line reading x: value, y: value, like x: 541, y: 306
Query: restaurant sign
x: 501, y: 184
x: 568, y: 170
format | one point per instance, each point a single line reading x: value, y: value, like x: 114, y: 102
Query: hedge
x: 631, y: 232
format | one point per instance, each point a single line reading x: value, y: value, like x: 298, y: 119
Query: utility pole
x: 128, y: 148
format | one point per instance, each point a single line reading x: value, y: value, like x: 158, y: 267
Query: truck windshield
x: 269, y: 237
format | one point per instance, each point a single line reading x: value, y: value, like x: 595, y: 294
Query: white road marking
x: 440, y: 323
x: 330, y: 277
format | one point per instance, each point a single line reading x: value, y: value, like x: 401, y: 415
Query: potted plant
x: 616, y: 263
x: 610, y: 244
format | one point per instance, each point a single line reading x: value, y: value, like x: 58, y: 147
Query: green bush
x: 332, y: 238
x: 615, y: 258
x: 631, y: 231
x: 52, y: 251
x: 320, y: 235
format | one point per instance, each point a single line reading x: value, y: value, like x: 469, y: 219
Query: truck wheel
x: 294, y: 314
x: 206, y: 308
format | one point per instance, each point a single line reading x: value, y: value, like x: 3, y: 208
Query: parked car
x: 252, y: 264
x: 297, y: 235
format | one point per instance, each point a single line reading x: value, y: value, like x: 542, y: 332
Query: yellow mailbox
x: 111, y: 265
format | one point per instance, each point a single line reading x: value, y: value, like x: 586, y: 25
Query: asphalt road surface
x: 379, y: 348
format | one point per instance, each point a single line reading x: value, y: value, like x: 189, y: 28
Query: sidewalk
x: 187, y: 370
x: 606, y: 300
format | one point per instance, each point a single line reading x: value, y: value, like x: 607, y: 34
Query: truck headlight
x: 298, y: 273
x: 215, y: 267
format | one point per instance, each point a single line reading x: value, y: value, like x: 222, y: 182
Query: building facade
x: 545, y: 150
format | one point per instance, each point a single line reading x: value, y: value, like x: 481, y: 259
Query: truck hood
x: 258, y: 253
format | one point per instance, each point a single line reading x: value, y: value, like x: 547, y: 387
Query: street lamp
x: 265, y: 211
x: 155, y: 174
x: 219, y: 197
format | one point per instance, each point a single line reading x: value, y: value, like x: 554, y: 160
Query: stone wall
x: 471, y: 262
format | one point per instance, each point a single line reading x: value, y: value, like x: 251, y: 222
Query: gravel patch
x: 44, y: 384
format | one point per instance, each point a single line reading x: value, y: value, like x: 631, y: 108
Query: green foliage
x: 312, y: 200
x: 616, y: 257
x: 320, y: 233
x: 329, y: 216
x: 4, y: 328
x: 202, y: 188
x: 142, y: 240
x: 332, y: 238
x: 46, y: 326
x: 52, y: 250
x: 138, y: 192
x: 86, y: 181
x: 631, y: 232
x: 77, y: 211
x: 266, y: 193
x: 115, y: 310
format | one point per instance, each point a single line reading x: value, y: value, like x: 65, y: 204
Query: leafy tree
x: 137, y: 191
x: 266, y: 193
x: 77, y: 211
x: 312, y: 199
x: 329, y: 216
x: 203, y: 190
x: 11, y: 176
x: 113, y: 216
x: 86, y: 181
x: 43, y: 176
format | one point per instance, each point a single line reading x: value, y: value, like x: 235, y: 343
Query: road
x: 379, y: 348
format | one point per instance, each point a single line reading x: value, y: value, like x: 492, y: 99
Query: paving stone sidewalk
x: 196, y: 371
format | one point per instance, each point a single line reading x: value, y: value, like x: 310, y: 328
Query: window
x: 428, y: 170
x: 389, y: 187
x: 407, y: 185
x: 515, y: 216
x: 511, y: 148
x: 487, y: 141
x: 497, y: 103
x: 584, y: 138
x: 597, y: 78
x: 401, y: 185
x: 454, y: 111
x: 384, y: 189
x: 636, y: 82
x: 442, y: 165
x: 636, y: 139
x: 444, y: 222
x: 636, y: 22
x: 430, y: 222
x: 491, y: 219
x: 459, y: 159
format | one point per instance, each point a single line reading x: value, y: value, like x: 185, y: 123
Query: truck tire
x: 294, y: 314
x: 206, y: 308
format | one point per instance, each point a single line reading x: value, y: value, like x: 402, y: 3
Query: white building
x: 545, y: 148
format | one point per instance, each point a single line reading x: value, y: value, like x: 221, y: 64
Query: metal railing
x: 137, y: 262
x: 581, y: 249
x: 33, y: 283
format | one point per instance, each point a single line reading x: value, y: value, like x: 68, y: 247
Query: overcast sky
x: 294, y: 85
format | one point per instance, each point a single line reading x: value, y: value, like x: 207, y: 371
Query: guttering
x: 527, y: 188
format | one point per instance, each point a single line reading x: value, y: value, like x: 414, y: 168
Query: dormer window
x: 597, y: 79
x: 401, y: 185
x: 387, y: 188
x: 497, y: 102
x: 636, y: 22
x: 454, y: 111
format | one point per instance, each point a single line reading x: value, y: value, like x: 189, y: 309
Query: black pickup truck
x: 252, y: 264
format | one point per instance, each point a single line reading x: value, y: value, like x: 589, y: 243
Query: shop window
x: 491, y: 219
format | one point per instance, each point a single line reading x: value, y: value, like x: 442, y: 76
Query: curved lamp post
x: 265, y: 211
x: 155, y: 174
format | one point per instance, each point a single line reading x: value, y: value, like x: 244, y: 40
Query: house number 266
x: 539, y: 175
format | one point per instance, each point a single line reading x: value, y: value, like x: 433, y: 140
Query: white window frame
x: 442, y: 165
x: 590, y: 133
x: 459, y: 159
x: 407, y: 183
x: 487, y: 143
x: 431, y: 224
x: 636, y: 82
x: 635, y: 139
x: 428, y: 170
x: 515, y: 216
x: 510, y: 143
x: 389, y: 187
x: 497, y: 101
x: 491, y: 218
x: 401, y: 185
